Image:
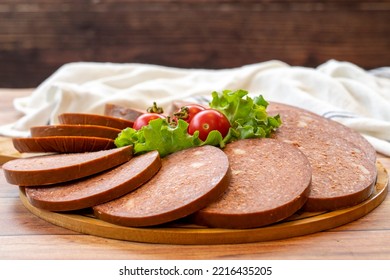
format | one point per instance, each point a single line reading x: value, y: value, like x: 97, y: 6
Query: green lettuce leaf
x: 247, y: 116
x: 161, y: 136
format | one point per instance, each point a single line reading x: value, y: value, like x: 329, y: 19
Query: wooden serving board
x: 7, y: 150
x: 184, y: 233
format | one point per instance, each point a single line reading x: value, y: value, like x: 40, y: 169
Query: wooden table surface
x: 25, y: 236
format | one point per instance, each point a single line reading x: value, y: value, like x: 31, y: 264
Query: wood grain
x: 25, y: 236
x: 7, y: 150
x: 39, y: 36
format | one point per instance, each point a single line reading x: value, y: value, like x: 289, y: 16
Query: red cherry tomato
x: 144, y: 119
x: 188, y: 112
x: 208, y: 120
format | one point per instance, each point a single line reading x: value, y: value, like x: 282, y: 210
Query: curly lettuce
x: 248, y: 119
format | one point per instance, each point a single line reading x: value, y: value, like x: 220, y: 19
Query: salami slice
x: 187, y: 181
x: 294, y: 117
x: 343, y: 164
x: 75, y: 130
x: 52, y: 169
x: 62, y: 144
x: 270, y: 181
x: 117, y: 111
x: 94, y: 119
x: 97, y: 189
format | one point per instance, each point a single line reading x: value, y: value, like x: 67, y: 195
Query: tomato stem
x: 183, y: 113
x: 155, y: 109
x: 172, y: 122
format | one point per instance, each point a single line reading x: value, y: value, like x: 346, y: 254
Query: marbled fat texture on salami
x: 187, y: 181
x: 62, y: 144
x: 118, y: 111
x: 94, y: 119
x: 343, y: 162
x: 97, y: 189
x: 294, y: 117
x: 52, y: 169
x: 270, y: 181
x: 75, y: 130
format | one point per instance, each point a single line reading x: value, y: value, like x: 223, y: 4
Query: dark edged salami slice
x: 270, y: 181
x: 62, y: 144
x: 187, y: 181
x: 94, y: 119
x: 52, y: 169
x: 96, y: 189
x: 117, y: 111
x: 294, y: 117
x: 343, y: 166
x: 75, y: 130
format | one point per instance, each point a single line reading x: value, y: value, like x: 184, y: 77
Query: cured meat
x: 75, y: 130
x: 52, y: 169
x: 297, y: 118
x: 122, y: 112
x: 270, y: 181
x: 94, y: 119
x: 343, y: 164
x: 187, y: 181
x: 97, y: 189
x: 62, y: 144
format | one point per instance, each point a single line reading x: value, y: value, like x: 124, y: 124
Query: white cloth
x: 338, y: 90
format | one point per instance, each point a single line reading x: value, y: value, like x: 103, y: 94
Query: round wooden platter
x: 182, y: 232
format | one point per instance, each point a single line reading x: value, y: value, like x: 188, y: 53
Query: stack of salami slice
x: 310, y: 164
x: 76, y: 133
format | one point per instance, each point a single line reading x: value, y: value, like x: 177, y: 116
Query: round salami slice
x: 96, y: 189
x: 75, y: 130
x: 52, y: 169
x: 270, y: 181
x: 343, y: 167
x: 187, y: 181
x: 62, y: 144
x: 299, y: 118
x: 94, y: 119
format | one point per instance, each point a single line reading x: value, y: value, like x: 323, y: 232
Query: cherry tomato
x: 208, y: 120
x: 144, y: 119
x: 188, y: 112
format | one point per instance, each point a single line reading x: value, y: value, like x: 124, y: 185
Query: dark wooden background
x: 38, y: 36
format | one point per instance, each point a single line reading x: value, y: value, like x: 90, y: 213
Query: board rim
x: 305, y: 225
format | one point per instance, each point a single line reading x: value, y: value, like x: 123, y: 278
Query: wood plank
x: 18, y: 221
x: 39, y: 37
x: 363, y: 245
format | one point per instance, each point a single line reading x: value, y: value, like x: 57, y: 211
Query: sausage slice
x: 97, y: 189
x: 75, y: 130
x: 298, y: 118
x: 62, y: 144
x: 187, y: 181
x: 117, y: 111
x: 343, y: 164
x: 94, y: 119
x: 52, y: 169
x: 270, y: 181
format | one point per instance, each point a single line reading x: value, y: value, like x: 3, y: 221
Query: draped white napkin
x: 338, y: 90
